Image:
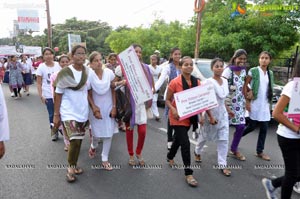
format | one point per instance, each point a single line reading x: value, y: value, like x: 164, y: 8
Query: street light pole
x: 49, y: 24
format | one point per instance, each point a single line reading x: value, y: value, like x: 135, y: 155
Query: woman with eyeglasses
x: 71, y: 106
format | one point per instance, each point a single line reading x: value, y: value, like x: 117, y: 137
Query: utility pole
x: 199, y: 5
x: 49, y: 24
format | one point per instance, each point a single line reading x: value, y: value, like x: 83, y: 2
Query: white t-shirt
x: 26, y: 67
x: 74, y: 104
x: 283, y: 130
x: 4, y: 128
x: 155, y: 72
x: 45, y: 72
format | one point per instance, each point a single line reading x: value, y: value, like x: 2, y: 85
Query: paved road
x: 27, y: 170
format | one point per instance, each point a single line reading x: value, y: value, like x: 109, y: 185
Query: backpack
x: 123, y: 105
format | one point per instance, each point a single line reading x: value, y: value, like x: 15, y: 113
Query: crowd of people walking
x: 81, y: 98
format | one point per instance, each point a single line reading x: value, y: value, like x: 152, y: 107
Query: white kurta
x: 102, y: 96
x: 220, y: 131
x: 4, y: 128
x: 260, y: 107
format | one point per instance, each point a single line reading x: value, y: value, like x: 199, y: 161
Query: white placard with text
x: 135, y: 76
x: 294, y: 106
x: 195, y: 100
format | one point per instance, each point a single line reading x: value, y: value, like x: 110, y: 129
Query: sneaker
x: 169, y: 145
x: 54, y: 137
x: 16, y: 97
x: 270, y: 190
x: 12, y: 94
x: 296, y: 187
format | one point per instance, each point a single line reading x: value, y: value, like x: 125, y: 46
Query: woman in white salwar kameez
x: 218, y: 132
x: 4, y: 128
x: 103, y: 108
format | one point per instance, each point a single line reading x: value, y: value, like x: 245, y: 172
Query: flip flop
x: 190, y: 180
x: 70, y: 177
x: 226, y: 172
x: 78, y: 171
x: 107, y: 166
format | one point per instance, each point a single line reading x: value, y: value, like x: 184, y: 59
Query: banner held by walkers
x: 195, y: 100
x: 135, y: 76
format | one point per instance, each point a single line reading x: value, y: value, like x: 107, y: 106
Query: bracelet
x: 56, y: 114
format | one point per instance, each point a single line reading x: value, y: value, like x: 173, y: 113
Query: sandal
x: 190, y: 180
x: 226, y: 172
x: 107, y: 166
x: 78, y: 170
x: 70, y: 177
x: 131, y: 161
x: 237, y: 155
x: 263, y: 156
x: 140, y: 160
x: 197, y: 157
x: 92, y: 152
x: 172, y: 163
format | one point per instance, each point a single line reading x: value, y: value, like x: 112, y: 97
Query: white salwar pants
x: 105, y: 147
x: 222, y: 148
x: 154, y: 106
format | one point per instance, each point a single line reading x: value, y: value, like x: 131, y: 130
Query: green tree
x: 255, y: 31
x: 91, y: 32
x: 160, y: 35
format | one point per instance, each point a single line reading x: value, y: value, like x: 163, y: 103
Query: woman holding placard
x: 181, y: 127
x: 288, y: 139
x: 138, y: 116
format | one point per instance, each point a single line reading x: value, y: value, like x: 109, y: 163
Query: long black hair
x: 296, y: 72
x: 236, y: 54
x: 270, y: 91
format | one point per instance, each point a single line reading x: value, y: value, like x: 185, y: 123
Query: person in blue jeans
x: 259, y: 100
x: 43, y: 73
